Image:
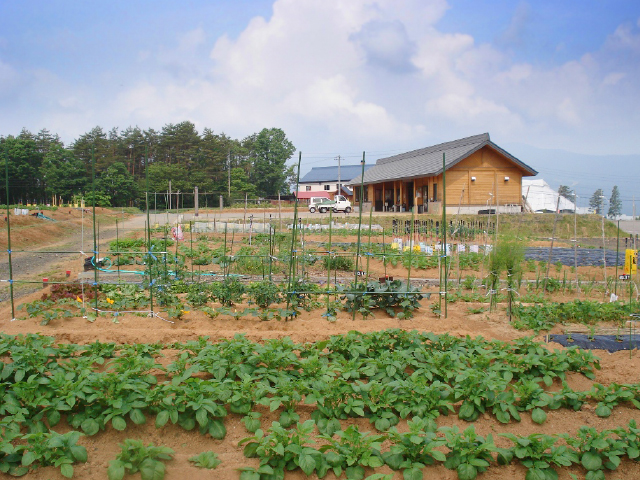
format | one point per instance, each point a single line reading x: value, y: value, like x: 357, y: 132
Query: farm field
x: 352, y: 353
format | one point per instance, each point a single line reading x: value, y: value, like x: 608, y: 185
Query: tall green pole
x: 149, y: 257
x: 293, y: 235
x: 359, y: 227
x: 411, y: 244
x: 118, y: 249
x: 95, y: 243
x: 615, y: 290
x: 329, y: 259
x: 369, y: 252
x: 444, y: 230
x: 6, y: 174
x: 271, y: 234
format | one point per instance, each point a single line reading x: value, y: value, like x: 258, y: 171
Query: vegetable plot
x: 382, y: 377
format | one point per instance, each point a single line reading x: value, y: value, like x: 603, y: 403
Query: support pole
x: 118, y: 249
x: 148, y: 233
x: 359, y: 223
x: 95, y: 245
x: 604, y: 256
x: 195, y: 201
x: 615, y: 291
x: 329, y: 260
x: 293, y: 236
x: 575, y: 243
x: 444, y: 230
x: 553, y: 235
x: 6, y: 175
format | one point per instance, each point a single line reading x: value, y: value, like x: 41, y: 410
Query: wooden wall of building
x: 490, y: 187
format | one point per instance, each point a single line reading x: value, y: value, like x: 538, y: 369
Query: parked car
x: 322, y: 205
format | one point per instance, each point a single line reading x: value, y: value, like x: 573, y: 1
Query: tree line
x: 597, y: 200
x: 41, y: 167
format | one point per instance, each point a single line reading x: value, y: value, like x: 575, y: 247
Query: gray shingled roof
x: 427, y: 162
x: 330, y: 174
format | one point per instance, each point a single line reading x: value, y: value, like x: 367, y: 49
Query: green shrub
x: 338, y: 263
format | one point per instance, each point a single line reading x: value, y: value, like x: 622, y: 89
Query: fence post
x: 195, y: 201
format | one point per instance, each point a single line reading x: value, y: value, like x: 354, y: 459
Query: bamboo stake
x: 617, y: 253
x: 369, y: 252
x: 95, y: 246
x: 553, y: 235
x: 359, y: 227
x: 329, y: 260
x: 293, y: 235
x: 118, y: 249
x: 444, y: 229
x: 148, y: 228
x: 6, y: 177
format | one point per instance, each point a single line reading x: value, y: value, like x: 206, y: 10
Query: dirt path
x: 48, y: 262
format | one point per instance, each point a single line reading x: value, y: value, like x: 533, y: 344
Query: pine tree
x: 596, y: 201
x: 615, y: 204
x: 567, y: 193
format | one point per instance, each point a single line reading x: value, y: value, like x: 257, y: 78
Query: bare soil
x: 620, y: 367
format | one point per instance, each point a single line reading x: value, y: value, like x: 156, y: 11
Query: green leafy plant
x: 136, y: 457
x: 538, y: 453
x: 596, y: 450
x: 415, y: 449
x: 228, y: 292
x: 51, y: 448
x: 283, y: 449
x: 208, y: 460
x: 469, y: 453
x: 264, y: 293
x: 352, y: 451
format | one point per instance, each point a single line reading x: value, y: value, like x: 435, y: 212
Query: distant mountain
x: 584, y: 173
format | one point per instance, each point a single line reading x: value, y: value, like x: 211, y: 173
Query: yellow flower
x: 109, y: 301
x: 184, y: 312
x: 78, y: 299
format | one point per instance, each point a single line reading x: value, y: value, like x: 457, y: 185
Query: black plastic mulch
x: 610, y: 343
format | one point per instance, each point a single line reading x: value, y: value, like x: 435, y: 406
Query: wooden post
x: 195, y: 201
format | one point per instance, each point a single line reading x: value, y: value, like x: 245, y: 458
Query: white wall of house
x: 318, y: 187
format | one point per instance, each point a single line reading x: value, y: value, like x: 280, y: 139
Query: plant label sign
x: 624, y: 277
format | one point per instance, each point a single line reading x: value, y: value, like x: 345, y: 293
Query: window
x: 366, y: 194
x: 308, y: 188
x: 327, y: 187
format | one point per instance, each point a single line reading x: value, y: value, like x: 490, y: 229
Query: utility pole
x: 229, y: 172
x: 339, y: 179
x: 169, y: 194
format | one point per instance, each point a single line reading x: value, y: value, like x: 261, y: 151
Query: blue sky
x: 340, y: 77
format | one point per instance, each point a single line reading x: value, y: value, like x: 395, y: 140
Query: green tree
x: 25, y: 182
x: 271, y: 150
x: 615, y: 204
x: 240, y: 184
x: 567, y: 193
x: 94, y: 144
x: 62, y: 172
x: 596, y: 201
x: 117, y: 184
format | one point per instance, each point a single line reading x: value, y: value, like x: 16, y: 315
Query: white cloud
x: 613, y: 78
x: 353, y: 74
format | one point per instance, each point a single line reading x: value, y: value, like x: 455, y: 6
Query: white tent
x: 542, y: 198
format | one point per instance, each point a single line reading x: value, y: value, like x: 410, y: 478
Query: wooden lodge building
x: 479, y: 174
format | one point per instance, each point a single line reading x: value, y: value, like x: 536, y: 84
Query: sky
x: 338, y: 76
